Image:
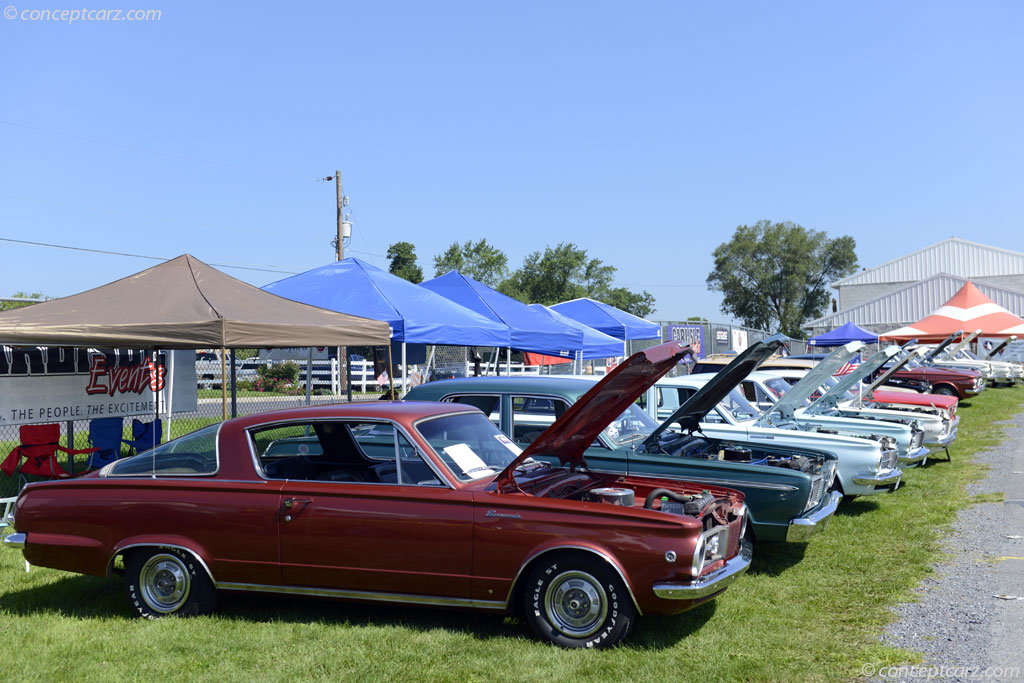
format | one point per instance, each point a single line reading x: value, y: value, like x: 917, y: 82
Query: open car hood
x: 693, y: 410
x: 938, y: 349
x: 962, y: 344
x: 835, y: 394
x: 579, y: 425
x: 991, y: 355
x: 892, y: 370
x: 809, y: 383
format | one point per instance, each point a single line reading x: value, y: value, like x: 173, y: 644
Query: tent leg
x: 508, y: 363
x: 309, y: 375
x: 223, y: 383
x: 405, y: 372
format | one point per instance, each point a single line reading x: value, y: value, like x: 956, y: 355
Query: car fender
x: 179, y: 542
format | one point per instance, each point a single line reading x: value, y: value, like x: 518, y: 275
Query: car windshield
x: 469, y: 444
x: 736, y: 405
x: 633, y: 426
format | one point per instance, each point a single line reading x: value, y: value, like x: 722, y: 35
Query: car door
x: 372, y: 516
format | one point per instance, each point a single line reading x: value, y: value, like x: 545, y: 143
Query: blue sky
x: 644, y: 132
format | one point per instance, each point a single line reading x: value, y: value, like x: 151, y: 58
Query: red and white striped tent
x: 968, y: 310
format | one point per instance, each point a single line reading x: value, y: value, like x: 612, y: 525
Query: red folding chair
x: 39, y: 446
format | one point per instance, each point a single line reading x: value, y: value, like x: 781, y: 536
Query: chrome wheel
x: 164, y: 582
x: 576, y: 604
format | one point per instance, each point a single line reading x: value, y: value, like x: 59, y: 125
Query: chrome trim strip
x: 15, y: 540
x: 892, y: 476
x: 119, y: 551
x: 363, y: 595
x: 570, y: 546
x: 711, y: 584
x: 801, y: 529
x: 728, y: 483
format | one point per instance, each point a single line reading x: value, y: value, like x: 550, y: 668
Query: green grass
x: 801, y: 613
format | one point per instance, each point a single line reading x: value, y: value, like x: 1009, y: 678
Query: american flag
x: 848, y: 367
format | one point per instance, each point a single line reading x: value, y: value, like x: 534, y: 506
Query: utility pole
x: 343, y: 362
x: 341, y: 212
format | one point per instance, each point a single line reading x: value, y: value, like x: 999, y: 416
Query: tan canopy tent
x: 184, y: 304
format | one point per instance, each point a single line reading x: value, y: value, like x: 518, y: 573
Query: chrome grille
x: 916, y: 440
x: 889, y: 458
x: 733, y: 544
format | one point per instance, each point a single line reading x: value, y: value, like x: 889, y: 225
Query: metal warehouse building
x: 908, y: 288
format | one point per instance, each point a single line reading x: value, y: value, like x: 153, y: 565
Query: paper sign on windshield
x: 467, y: 460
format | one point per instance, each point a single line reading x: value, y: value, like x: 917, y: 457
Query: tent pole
x: 170, y: 389
x: 309, y: 375
x: 391, y: 375
x: 405, y: 371
x: 508, y: 363
x: 223, y: 383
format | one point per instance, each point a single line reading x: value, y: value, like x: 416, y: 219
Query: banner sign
x: 49, y: 384
x: 739, y: 340
x: 689, y: 334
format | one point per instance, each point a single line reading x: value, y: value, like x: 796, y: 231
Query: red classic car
x: 419, y: 503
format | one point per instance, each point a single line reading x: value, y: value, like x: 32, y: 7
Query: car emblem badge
x: 502, y: 515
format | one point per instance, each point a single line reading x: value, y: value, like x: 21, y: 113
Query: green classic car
x: 787, y: 489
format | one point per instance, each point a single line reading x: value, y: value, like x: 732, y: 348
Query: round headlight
x: 698, y: 558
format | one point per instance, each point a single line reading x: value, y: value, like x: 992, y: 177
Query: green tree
x: 567, y: 272
x: 774, y: 276
x: 479, y: 260
x: 403, y: 262
x: 11, y: 305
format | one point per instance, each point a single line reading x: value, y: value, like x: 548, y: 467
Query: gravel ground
x: 964, y: 631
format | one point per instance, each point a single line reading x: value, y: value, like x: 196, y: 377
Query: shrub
x: 278, y: 378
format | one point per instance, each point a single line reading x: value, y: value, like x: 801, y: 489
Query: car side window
x: 531, y: 415
x: 351, y: 451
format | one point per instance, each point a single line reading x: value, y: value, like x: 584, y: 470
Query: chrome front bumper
x: 710, y: 584
x: 913, y: 457
x: 946, y: 440
x: 16, y: 541
x: 802, y: 528
x: 892, y: 476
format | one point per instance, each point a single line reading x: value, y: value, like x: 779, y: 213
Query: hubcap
x: 165, y: 583
x: 576, y: 604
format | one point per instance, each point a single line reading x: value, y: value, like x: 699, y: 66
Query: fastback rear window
x: 190, y: 455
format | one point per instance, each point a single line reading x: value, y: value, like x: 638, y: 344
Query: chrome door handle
x: 290, y: 502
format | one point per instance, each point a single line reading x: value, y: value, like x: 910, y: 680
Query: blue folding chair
x: 105, y: 434
x: 145, y: 435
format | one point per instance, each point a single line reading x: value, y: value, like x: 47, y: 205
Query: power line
x: 142, y: 256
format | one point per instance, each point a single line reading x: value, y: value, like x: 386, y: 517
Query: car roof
x: 403, y: 410
x: 574, y: 386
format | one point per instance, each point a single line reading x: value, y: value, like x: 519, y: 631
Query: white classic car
x: 865, y: 465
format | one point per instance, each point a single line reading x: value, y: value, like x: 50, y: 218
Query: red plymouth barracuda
x: 415, y: 503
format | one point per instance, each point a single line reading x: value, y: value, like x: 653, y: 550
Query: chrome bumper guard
x: 712, y: 583
x: 801, y: 529
x: 16, y: 541
x: 892, y: 476
x: 915, y: 456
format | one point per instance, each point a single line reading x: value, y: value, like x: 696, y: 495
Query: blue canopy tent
x: 595, y: 344
x: 610, y: 320
x: 844, y: 335
x: 530, y: 330
x: 416, y: 315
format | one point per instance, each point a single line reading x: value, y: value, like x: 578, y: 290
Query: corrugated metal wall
x: 953, y: 256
